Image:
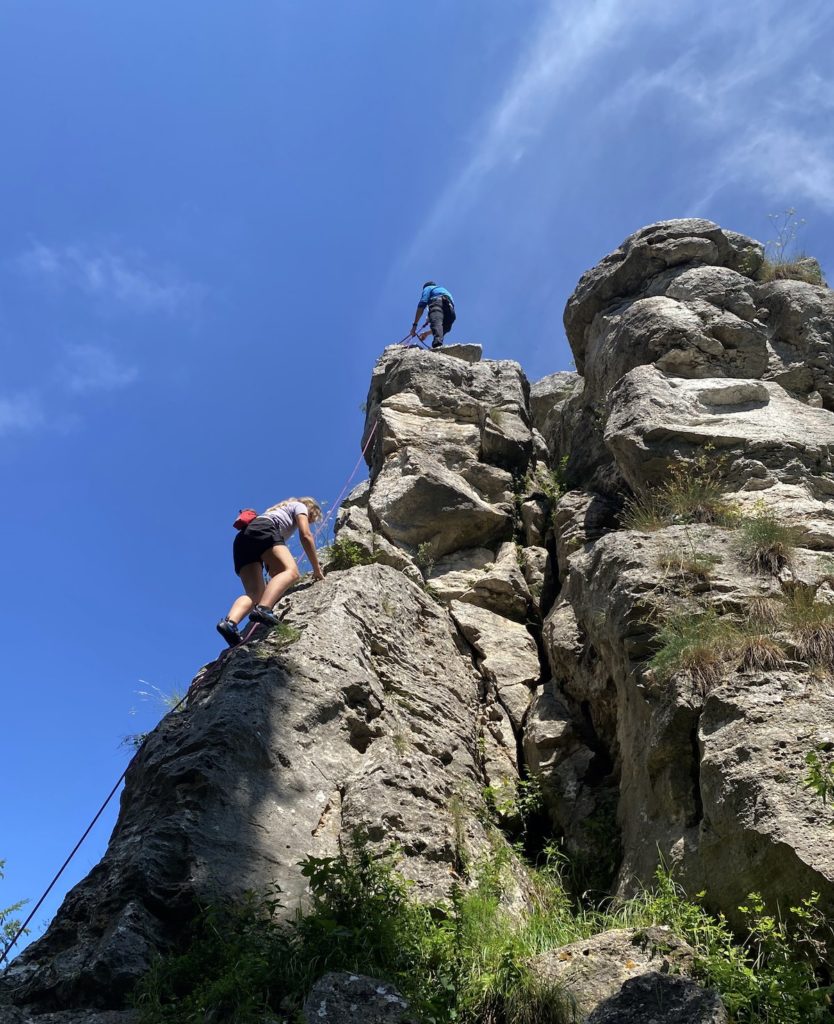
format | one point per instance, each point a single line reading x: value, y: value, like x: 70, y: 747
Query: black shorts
x: 259, y: 536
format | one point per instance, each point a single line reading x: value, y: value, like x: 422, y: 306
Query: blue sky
x: 214, y: 217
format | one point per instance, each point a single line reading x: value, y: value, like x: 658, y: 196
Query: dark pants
x: 441, y: 318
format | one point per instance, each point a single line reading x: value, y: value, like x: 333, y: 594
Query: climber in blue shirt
x: 441, y: 312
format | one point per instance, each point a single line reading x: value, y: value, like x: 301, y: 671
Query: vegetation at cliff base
x: 469, y: 961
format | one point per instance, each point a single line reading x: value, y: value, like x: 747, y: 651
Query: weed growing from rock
x: 425, y: 557
x: 819, y: 775
x: 345, y: 554
x: 784, y: 260
x: 9, y: 925
x: 767, y: 544
x: 692, y: 493
x: 691, y: 566
x: 697, y: 644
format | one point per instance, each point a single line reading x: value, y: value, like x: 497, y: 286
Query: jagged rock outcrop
x: 687, y: 357
x: 506, y: 631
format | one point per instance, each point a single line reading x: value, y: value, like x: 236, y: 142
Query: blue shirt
x: 431, y: 292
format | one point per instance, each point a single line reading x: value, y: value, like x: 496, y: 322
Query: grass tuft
x: 767, y: 544
x: 692, y: 493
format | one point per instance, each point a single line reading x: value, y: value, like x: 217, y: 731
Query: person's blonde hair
x: 313, y: 507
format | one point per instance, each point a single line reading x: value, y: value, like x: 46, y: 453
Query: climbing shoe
x: 437, y: 344
x: 228, y: 630
x: 260, y: 613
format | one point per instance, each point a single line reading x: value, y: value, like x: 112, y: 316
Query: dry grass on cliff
x: 692, y: 493
x: 798, y: 268
x: 709, y: 647
x: 767, y: 544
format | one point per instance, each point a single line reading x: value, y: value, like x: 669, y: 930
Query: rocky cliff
x: 528, y: 565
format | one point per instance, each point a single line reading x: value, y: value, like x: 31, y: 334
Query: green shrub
x: 469, y: 961
x: 770, y: 976
x: 465, y: 963
x: 767, y: 544
x: 345, y: 554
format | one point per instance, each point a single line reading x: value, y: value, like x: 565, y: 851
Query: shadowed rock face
x: 367, y: 722
x: 503, y: 628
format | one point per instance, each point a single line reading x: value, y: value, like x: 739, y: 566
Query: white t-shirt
x: 285, y: 518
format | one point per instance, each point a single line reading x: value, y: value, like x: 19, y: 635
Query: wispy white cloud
x: 89, y: 368
x: 20, y: 413
x: 571, y: 39
x: 746, y: 88
x: 121, y: 279
x: 757, y: 107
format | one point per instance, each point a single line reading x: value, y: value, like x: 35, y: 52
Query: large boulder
x: 342, y: 998
x: 762, y: 434
x: 419, y: 503
x: 628, y: 968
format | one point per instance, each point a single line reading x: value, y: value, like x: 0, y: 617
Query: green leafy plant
x: 9, y: 924
x: 769, y: 976
x: 425, y: 557
x: 767, y: 544
x: 819, y: 774
x: 462, y: 963
x: 345, y: 554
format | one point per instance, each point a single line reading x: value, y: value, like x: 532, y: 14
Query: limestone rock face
x: 366, y: 722
x: 658, y: 249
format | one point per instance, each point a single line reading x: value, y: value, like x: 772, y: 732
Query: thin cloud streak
x: 116, y: 278
x: 761, y: 114
x: 20, y: 413
x: 570, y: 40
x: 89, y: 368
